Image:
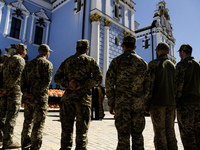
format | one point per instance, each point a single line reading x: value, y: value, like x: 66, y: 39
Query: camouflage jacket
x: 83, y: 69
x: 12, y: 71
x: 126, y: 80
x: 188, y: 81
x: 36, y: 78
x: 162, y: 82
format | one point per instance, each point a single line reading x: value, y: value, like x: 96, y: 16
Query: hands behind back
x: 74, y: 85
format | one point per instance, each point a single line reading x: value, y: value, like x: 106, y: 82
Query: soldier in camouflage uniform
x: 11, y: 96
x: 2, y: 60
x: 126, y: 92
x: 78, y: 74
x: 36, y: 79
x: 161, y: 99
x: 188, y: 98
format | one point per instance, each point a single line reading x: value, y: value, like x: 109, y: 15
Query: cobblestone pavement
x: 102, y: 134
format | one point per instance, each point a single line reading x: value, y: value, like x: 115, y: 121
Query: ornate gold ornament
x: 107, y: 22
x: 126, y: 33
x: 95, y: 17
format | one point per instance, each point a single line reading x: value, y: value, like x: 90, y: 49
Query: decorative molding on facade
x: 126, y: 33
x: 41, y: 14
x: 25, y: 26
x: 19, y: 5
x: 31, y: 31
x: 112, y: 20
x: 107, y: 22
x: 58, y: 3
x: 43, y: 3
x: 2, y: 3
x: 95, y: 17
x: 96, y: 4
x: 126, y: 16
x: 128, y: 3
x: 5, y: 33
x: 107, y: 7
x: 106, y: 52
x: 47, y: 33
x: 95, y: 34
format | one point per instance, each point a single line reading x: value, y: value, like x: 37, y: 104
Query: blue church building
x: 60, y: 23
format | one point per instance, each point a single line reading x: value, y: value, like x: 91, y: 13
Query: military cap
x: 186, y: 47
x: 21, y: 46
x: 129, y: 39
x: 44, y: 48
x: 82, y: 43
x: 162, y: 46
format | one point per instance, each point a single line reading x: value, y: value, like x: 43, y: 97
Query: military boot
x: 12, y: 146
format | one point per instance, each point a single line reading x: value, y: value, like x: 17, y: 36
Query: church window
x: 38, y: 35
x: 78, y: 5
x: 146, y: 43
x: 15, y: 28
x: 116, y: 40
x: 117, y: 11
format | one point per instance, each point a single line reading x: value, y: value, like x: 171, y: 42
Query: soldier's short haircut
x: 81, y: 49
x: 163, y: 46
x: 129, y: 45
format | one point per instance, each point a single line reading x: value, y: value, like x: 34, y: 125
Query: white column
x: 95, y: 18
x: 158, y: 38
x: 1, y: 8
x: 96, y: 4
x: 7, y: 21
x: 95, y: 40
x: 31, y: 32
x: 47, y: 32
x: 132, y: 20
x: 25, y: 26
x: 107, y: 7
x: 106, y: 53
x: 126, y: 21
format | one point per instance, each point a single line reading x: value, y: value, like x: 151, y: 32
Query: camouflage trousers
x: 9, y: 108
x: 163, y: 124
x: 130, y: 122
x: 68, y: 111
x: 34, y: 120
x: 189, y: 125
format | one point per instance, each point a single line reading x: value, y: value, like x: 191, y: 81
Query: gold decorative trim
x: 156, y: 14
x: 95, y: 17
x: 107, y: 22
x: 132, y: 35
x: 162, y: 12
x: 126, y: 33
x: 168, y: 17
x: 174, y: 61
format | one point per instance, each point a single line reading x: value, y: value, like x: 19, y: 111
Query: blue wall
x: 64, y: 33
x: 115, y: 50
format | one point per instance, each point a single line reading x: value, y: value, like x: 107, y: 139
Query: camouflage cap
x: 129, y: 39
x: 21, y: 46
x: 44, y: 48
x: 186, y: 47
x: 82, y: 43
x: 162, y: 46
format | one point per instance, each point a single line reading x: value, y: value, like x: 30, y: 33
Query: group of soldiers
x: 159, y: 88
x: 132, y: 88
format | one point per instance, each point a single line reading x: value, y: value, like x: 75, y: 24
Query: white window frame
x: 78, y: 4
